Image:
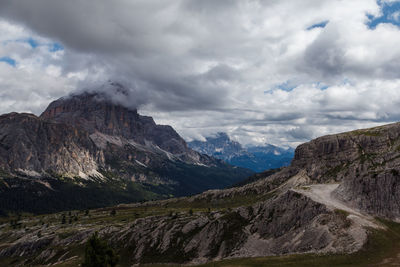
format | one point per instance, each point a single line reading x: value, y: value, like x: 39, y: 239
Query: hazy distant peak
x: 257, y: 158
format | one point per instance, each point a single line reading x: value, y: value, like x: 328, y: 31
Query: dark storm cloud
x: 130, y: 41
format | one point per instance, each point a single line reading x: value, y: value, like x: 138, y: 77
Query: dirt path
x: 322, y: 193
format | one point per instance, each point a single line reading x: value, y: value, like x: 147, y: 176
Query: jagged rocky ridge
x: 256, y: 158
x: 92, y: 152
x: 326, y: 201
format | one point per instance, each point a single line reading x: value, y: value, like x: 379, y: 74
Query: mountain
x: 220, y: 146
x: 86, y: 150
x: 337, y: 204
x: 256, y: 158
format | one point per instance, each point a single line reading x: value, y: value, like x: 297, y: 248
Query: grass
x: 367, y: 132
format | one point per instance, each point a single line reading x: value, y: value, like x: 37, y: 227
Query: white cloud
x: 36, y: 79
x: 395, y: 16
x: 204, y: 66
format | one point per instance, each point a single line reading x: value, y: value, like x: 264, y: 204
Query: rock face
x: 32, y: 145
x: 95, y: 113
x: 365, y: 162
x: 256, y: 158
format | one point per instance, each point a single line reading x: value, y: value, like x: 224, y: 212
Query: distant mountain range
x: 87, y: 151
x: 256, y: 158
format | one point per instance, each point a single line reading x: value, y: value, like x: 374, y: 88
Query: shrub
x: 113, y: 212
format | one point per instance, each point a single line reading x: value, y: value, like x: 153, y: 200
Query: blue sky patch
x: 8, y: 60
x: 390, y: 14
x: 290, y: 85
x: 32, y: 42
x: 320, y: 85
x: 286, y: 86
x: 54, y: 47
x: 321, y: 24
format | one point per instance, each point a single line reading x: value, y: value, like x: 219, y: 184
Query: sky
x: 274, y: 71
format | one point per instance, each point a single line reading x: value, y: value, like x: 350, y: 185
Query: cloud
x: 264, y: 71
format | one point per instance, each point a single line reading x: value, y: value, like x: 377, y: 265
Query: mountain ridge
x: 257, y: 158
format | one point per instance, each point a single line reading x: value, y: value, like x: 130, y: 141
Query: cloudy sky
x: 274, y: 71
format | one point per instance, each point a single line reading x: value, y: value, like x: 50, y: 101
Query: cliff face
x: 94, y: 112
x: 366, y: 163
x: 31, y: 145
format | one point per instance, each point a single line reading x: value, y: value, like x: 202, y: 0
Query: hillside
x: 337, y: 202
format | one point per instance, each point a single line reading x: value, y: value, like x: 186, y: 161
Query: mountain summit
x: 93, y: 152
x: 256, y: 158
x: 98, y: 115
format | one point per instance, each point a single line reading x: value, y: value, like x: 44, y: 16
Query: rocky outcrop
x: 320, y: 156
x: 377, y: 193
x: 366, y: 163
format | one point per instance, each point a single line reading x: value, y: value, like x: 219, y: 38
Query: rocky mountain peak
x: 257, y: 158
x: 97, y: 113
x: 220, y: 136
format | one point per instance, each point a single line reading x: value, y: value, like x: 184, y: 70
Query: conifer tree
x: 99, y: 254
